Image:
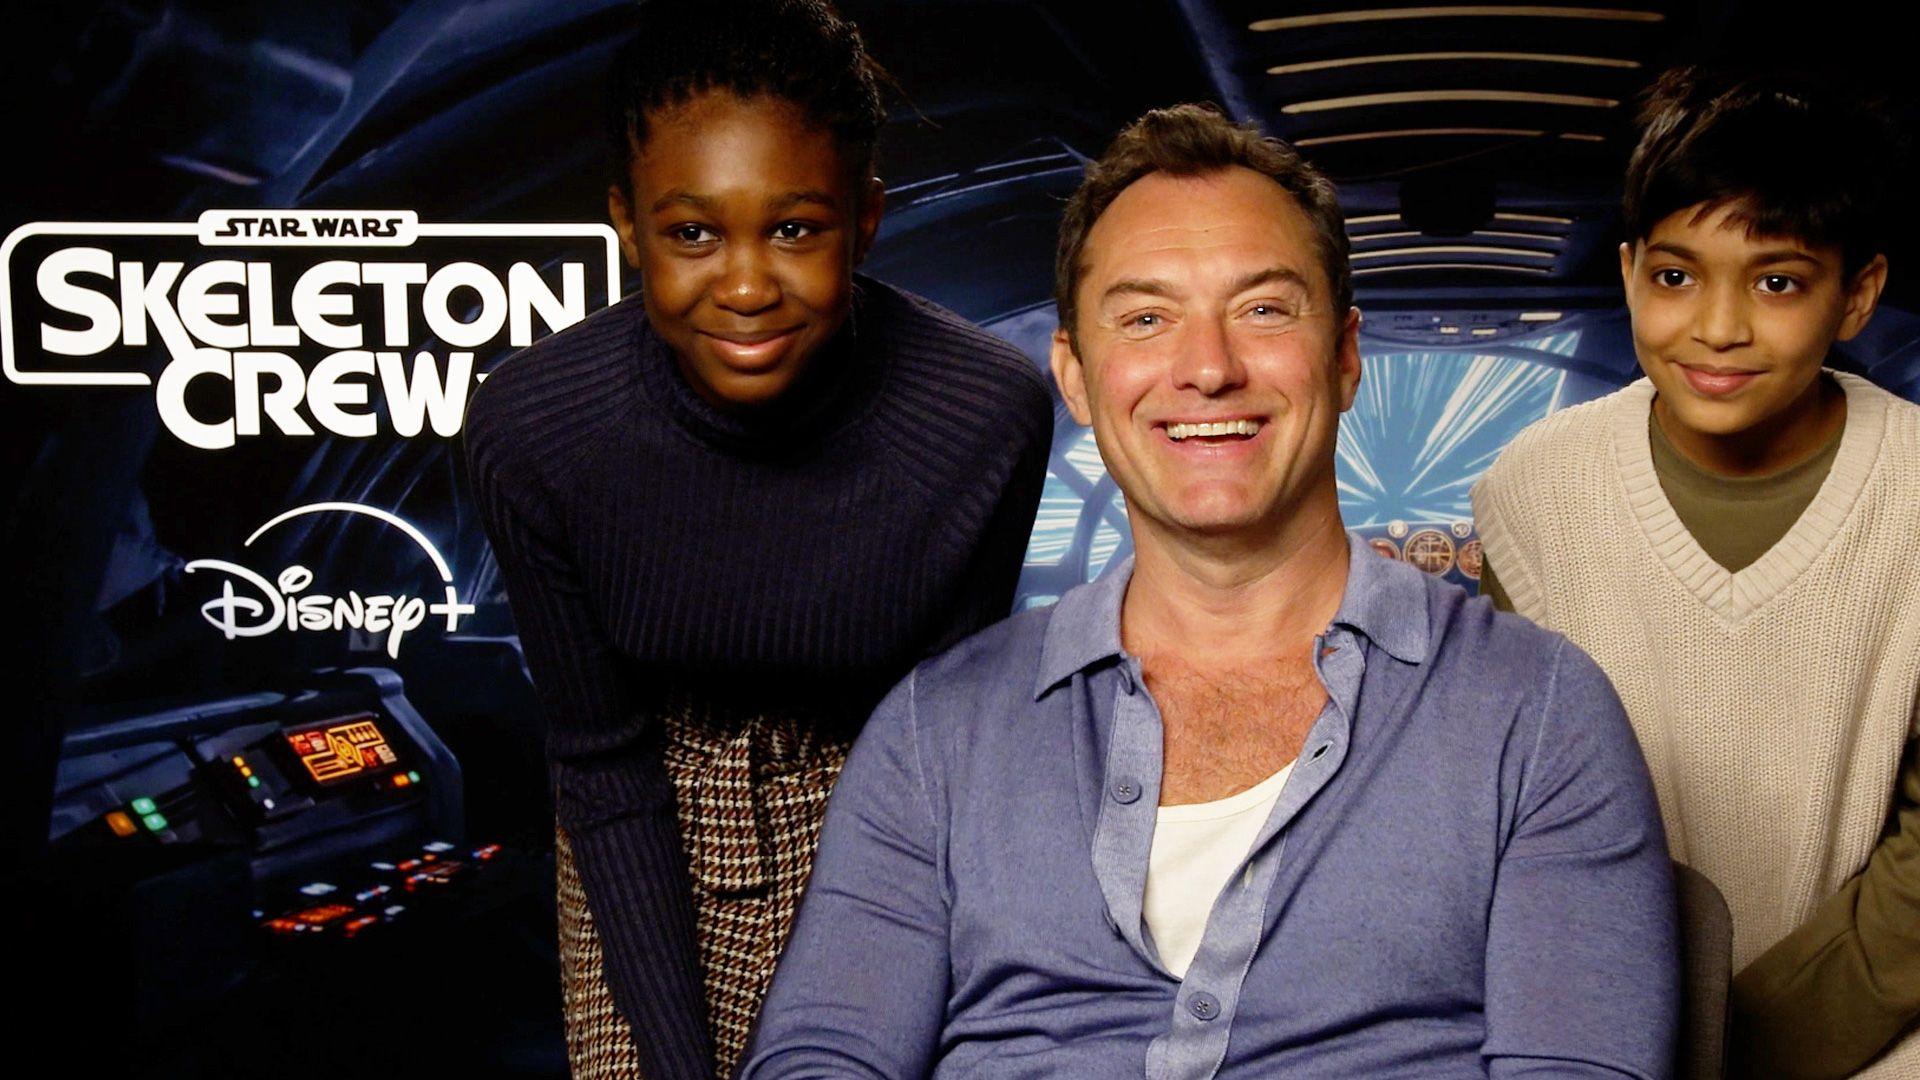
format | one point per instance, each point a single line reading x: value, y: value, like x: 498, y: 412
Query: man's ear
x: 873, y: 203
x: 620, y: 212
x: 1347, y: 358
x: 1863, y: 295
x: 1070, y: 376
x: 1626, y: 266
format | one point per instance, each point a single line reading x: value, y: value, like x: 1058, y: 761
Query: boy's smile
x: 1732, y: 329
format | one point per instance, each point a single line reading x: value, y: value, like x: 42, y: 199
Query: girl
x: 730, y: 512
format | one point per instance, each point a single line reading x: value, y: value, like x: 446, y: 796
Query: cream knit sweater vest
x: 1772, y: 704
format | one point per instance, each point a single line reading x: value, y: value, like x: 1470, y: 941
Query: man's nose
x: 747, y: 285
x: 1721, y: 321
x: 1208, y: 360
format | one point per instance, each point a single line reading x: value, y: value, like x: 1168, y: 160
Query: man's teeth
x: 1176, y: 432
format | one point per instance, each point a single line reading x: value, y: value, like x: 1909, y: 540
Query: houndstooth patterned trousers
x: 750, y: 794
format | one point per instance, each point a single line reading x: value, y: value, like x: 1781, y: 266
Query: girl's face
x: 745, y: 222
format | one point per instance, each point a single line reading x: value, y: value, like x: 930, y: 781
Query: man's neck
x: 1235, y: 600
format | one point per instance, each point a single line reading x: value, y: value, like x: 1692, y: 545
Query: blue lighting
x: 1423, y: 427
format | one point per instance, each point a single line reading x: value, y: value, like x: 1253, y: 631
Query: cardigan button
x: 1125, y: 790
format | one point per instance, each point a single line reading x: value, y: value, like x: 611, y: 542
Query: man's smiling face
x: 1209, y: 361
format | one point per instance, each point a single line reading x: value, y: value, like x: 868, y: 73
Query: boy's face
x: 1732, y: 328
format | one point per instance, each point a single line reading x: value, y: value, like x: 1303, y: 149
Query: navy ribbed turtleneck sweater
x: 802, y: 557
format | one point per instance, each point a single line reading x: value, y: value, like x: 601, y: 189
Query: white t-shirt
x: 1196, y: 850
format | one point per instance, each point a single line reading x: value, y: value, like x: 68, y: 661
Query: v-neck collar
x: 1733, y: 595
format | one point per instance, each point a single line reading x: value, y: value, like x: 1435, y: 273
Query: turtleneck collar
x: 837, y: 387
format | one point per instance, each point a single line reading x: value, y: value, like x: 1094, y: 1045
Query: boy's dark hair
x: 1194, y: 140
x: 798, y: 51
x: 1801, y: 156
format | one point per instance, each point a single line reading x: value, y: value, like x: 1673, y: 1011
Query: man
x: 1252, y: 804
x: 1733, y: 537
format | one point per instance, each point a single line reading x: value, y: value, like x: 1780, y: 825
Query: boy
x: 1734, y: 539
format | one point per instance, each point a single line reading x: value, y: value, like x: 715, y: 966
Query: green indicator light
x: 253, y: 781
x: 155, y: 821
x: 144, y: 806
x: 413, y: 776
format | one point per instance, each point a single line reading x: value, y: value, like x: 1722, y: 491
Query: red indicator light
x: 341, y: 749
x: 400, y: 780
x: 487, y: 852
x: 359, y: 924
x: 121, y: 824
x: 323, y: 914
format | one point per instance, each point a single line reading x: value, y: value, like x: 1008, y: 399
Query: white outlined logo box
x: 243, y: 232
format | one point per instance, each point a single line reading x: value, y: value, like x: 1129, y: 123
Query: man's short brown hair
x: 1193, y: 140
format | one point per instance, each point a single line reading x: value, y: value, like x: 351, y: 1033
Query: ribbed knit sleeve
x: 633, y: 862
x: 988, y: 592
x: 931, y: 424
x: 795, y: 560
x: 1503, y: 508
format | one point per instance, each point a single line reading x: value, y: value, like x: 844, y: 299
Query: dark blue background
x: 489, y: 112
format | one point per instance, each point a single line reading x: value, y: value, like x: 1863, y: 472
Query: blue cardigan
x: 1465, y: 874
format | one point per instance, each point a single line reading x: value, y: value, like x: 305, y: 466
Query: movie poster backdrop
x: 280, y: 796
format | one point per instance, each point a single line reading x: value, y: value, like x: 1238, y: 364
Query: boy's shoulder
x: 1579, y: 428
x: 1565, y: 451
x: 1898, y: 415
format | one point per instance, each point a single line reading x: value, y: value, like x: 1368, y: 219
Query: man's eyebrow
x: 1272, y: 275
x: 1142, y: 286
